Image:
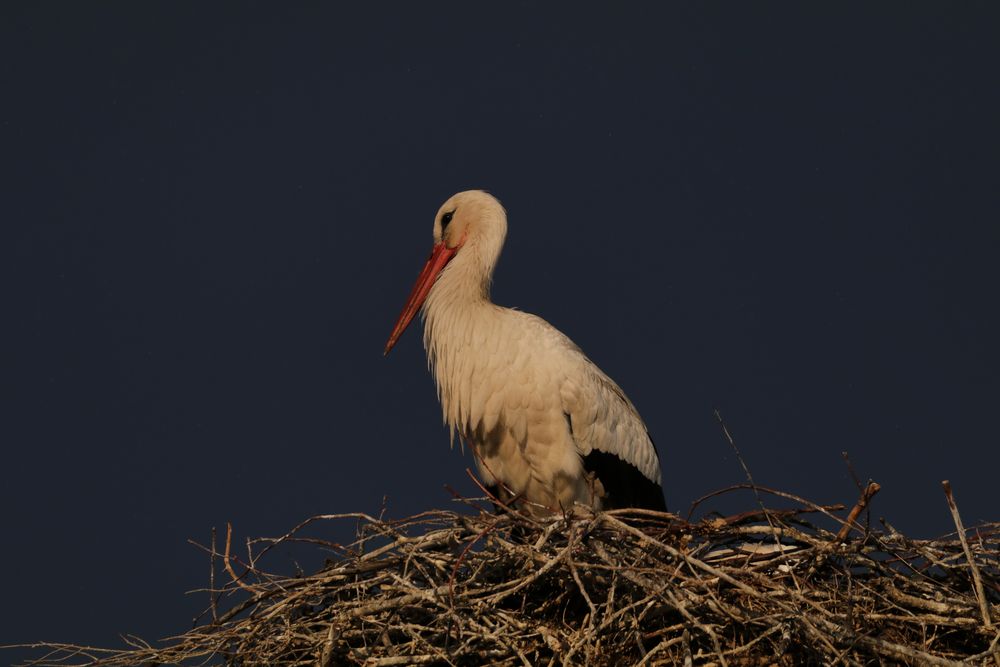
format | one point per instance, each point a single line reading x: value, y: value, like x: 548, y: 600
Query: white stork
x: 548, y: 428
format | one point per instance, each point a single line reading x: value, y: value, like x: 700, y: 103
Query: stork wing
x: 611, y: 437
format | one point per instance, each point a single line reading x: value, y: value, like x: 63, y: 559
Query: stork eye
x: 446, y: 218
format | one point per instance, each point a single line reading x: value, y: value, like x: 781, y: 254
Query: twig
x: 850, y: 469
x: 211, y: 581
x: 756, y: 493
x: 866, y: 495
x: 228, y: 561
x: 976, y: 579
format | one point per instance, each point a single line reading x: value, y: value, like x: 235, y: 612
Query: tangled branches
x: 615, y: 588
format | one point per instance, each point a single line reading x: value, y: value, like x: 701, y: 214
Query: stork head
x: 469, y: 228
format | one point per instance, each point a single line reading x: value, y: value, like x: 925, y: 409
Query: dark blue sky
x: 212, y: 213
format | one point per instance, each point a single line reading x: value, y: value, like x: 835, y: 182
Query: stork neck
x: 457, y: 307
x: 461, y: 286
x: 462, y: 290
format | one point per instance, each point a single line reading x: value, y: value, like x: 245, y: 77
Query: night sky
x: 213, y: 212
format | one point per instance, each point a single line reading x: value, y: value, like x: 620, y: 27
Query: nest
x: 611, y: 588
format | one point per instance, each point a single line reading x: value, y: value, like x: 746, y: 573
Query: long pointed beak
x: 440, y: 255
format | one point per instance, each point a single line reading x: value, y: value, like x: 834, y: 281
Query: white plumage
x: 548, y: 428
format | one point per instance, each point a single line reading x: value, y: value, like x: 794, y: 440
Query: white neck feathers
x: 458, y: 314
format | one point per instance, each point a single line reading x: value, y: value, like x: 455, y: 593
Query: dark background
x: 213, y: 212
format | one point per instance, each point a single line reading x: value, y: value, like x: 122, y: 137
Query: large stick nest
x: 616, y: 588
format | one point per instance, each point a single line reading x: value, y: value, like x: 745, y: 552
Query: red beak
x: 440, y: 255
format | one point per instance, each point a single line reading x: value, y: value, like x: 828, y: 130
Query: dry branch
x: 976, y: 578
